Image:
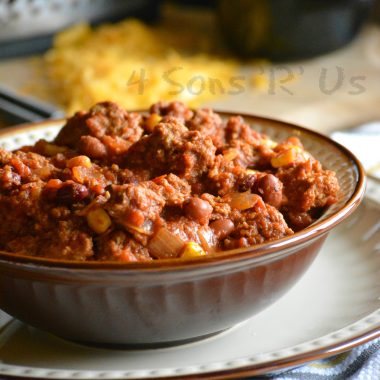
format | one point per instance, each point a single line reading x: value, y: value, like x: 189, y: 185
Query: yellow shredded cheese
x: 133, y: 64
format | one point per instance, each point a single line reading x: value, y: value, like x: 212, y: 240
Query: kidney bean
x: 198, y: 210
x: 71, y: 192
x: 270, y: 188
x: 222, y: 227
x: 247, y: 183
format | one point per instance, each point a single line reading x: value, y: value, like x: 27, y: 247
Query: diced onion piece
x: 140, y: 230
x: 165, y: 245
x: 242, y: 201
x: 98, y: 220
x: 192, y: 250
x: 145, y: 229
x: 208, y: 240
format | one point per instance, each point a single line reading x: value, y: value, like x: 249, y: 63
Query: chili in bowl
x: 185, y: 222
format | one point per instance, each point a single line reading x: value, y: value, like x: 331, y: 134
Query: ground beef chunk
x: 25, y: 166
x: 172, y: 148
x: 208, y: 123
x: 224, y: 176
x: 246, y: 147
x: 136, y: 208
x: 172, y: 188
x: 69, y: 242
x: 118, y: 246
x: 175, y: 109
x: 20, y: 213
x: 92, y: 147
x: 307, y: 189
x: 252, y: 226
x: 113, y: 130
x: 240, y: 153
x: 237, y: 129
x: 30, y: 226
x: 221, y: 208
x: 9, y: 179
x: 128, y: 176
x: 255, y: 226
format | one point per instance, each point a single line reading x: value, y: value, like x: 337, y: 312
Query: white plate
x: 334, y: 307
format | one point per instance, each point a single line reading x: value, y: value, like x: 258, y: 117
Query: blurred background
x: 313, y: 62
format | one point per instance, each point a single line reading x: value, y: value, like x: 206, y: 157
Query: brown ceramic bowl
x: 170, y: 302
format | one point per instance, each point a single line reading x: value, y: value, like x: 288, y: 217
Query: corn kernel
x: 251, y: 171
x: 152, y: 121
x: 83, y: 161
x: 269, y: 143
x: 192, y: 250
x: 285, y: 158
x: 98, y: 220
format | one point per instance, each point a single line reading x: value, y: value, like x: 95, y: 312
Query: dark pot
x: 290, y: 29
